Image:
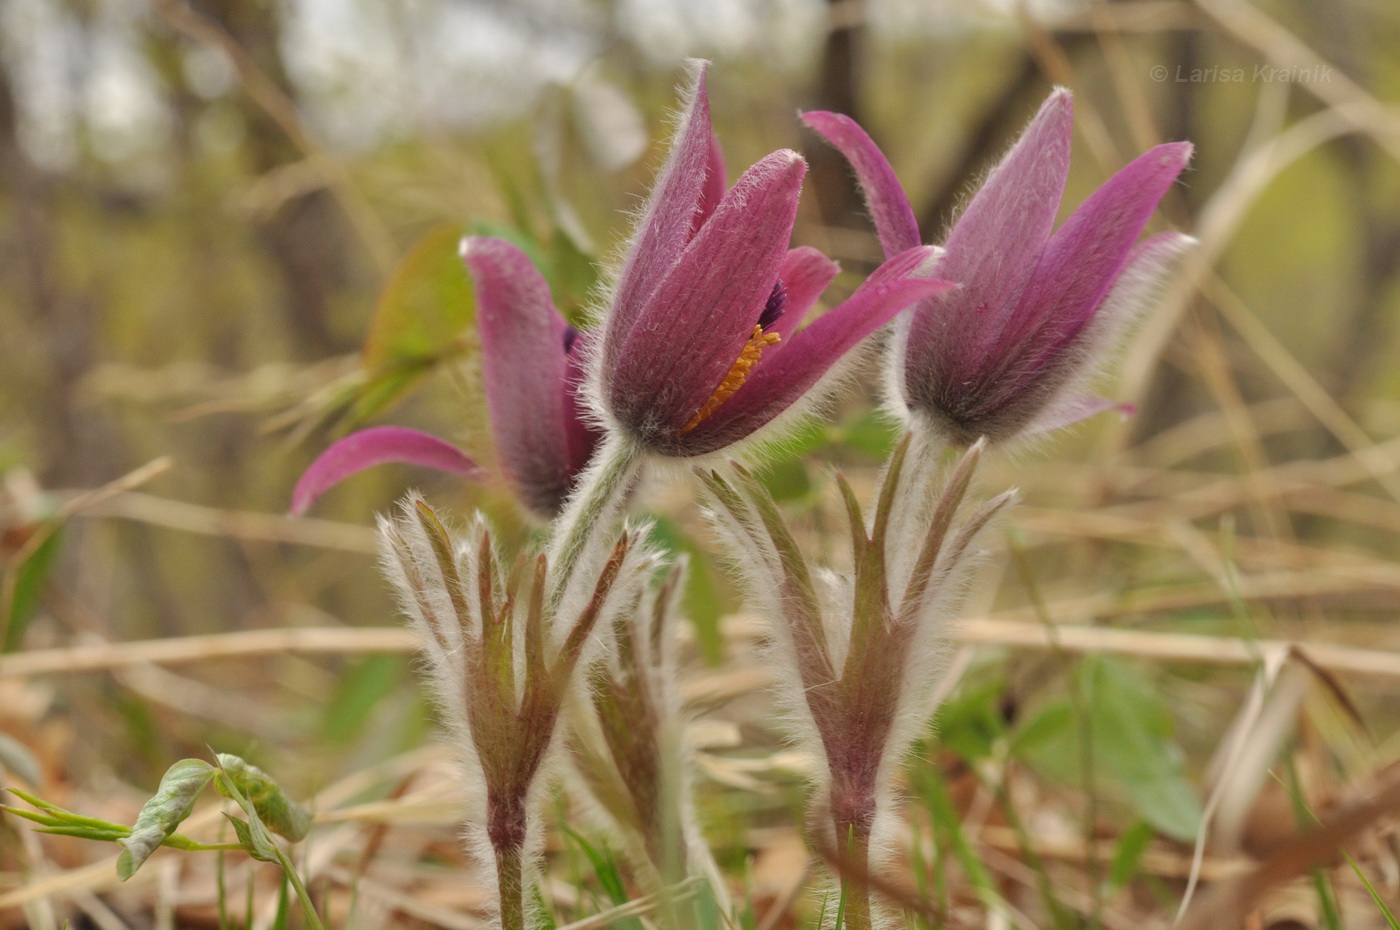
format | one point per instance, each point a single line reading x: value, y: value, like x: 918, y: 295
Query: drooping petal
x: 523, y: 363
x: 1085, y: 256
x: 376, y: 446
x: 716, y: 183
x: 779, y: 382
x: 694, y: 326
x: 805, y: 274
x: 666, y: 222
x: 994, y: 248
x: 895, y: 223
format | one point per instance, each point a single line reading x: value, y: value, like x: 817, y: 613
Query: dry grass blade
x: 1226, y: 905
x: 212, y: 521
x: 987, y: 631
x: 187, y: 649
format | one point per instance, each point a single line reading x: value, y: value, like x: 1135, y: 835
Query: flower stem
x: 853, y: 807
x: 855, y: 874
x: 510, y: 886
x: 592, y: 511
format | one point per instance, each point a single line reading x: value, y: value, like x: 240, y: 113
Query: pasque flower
x: 1005, y: 353
x: 700, y: 347
x: 530, y: 362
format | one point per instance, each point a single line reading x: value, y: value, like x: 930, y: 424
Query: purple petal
x: 716, y: 183
x: 693, y: 328
x: 889, y: 206
x: 805, y: 274
x: 778, y: 382
x: 375, y: 446
x: 582, y: 436
x: 666, y: 222
x: 1148, y: 265
x: 524, y: 366
x: 995, y: 246
x: 1074, y: 410
x: 1086, y: 255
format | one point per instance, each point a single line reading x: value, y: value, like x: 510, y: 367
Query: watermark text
x: 1259, y: 74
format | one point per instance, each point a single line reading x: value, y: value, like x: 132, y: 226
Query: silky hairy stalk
x: 501, y: 660
x: 860, y: 651
x: 629, y: 751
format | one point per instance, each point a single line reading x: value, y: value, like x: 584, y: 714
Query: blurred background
x: 227, y: 236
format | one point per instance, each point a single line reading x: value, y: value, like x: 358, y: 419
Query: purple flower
x: 1003, y: 354
x: 700, y: 347
x: 530, y: 361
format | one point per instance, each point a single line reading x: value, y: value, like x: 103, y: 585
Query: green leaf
x: 383, y: 388
x: 1048, y: 725
x: 253, y: 835
x: 1130, y: 731
x: 24, y: 582
x: 358, y: 693
x: 971, y: 722
x: 1127, y: 857
x: 172, y: 803
x: 517, y: 237
x: 574, y: 277
x: 1131, y: 728
x: 427, y: 309
x: 257, y: 842
x: 281, y: 814
x: 89, y: 833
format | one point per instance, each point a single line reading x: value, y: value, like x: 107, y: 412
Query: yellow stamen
x: 748, y: 357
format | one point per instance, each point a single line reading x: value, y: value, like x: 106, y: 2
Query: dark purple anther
x: 773, y: 309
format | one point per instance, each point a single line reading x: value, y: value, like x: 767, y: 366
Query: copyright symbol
x: 1158, y: 73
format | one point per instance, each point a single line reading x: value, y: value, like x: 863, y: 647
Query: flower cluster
x: 698, y: 347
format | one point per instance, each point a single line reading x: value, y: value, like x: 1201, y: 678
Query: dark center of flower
x: 775, y: 307
x: 570, y: 337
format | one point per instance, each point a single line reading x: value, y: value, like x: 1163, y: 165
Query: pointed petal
x: 375, y: 446
x: 666, y: 222
x: 777, y: 383
x: 994, y: 247
x: 716, y: 183
x: 523, y: 364
x: 805, y: 274
x: 1085, y: 256
x: 694, y: 326
x: 895, y: 223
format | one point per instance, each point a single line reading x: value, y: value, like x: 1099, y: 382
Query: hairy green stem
x: 854, y: 864
x: 591, y: 513
x: 510, y: 886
